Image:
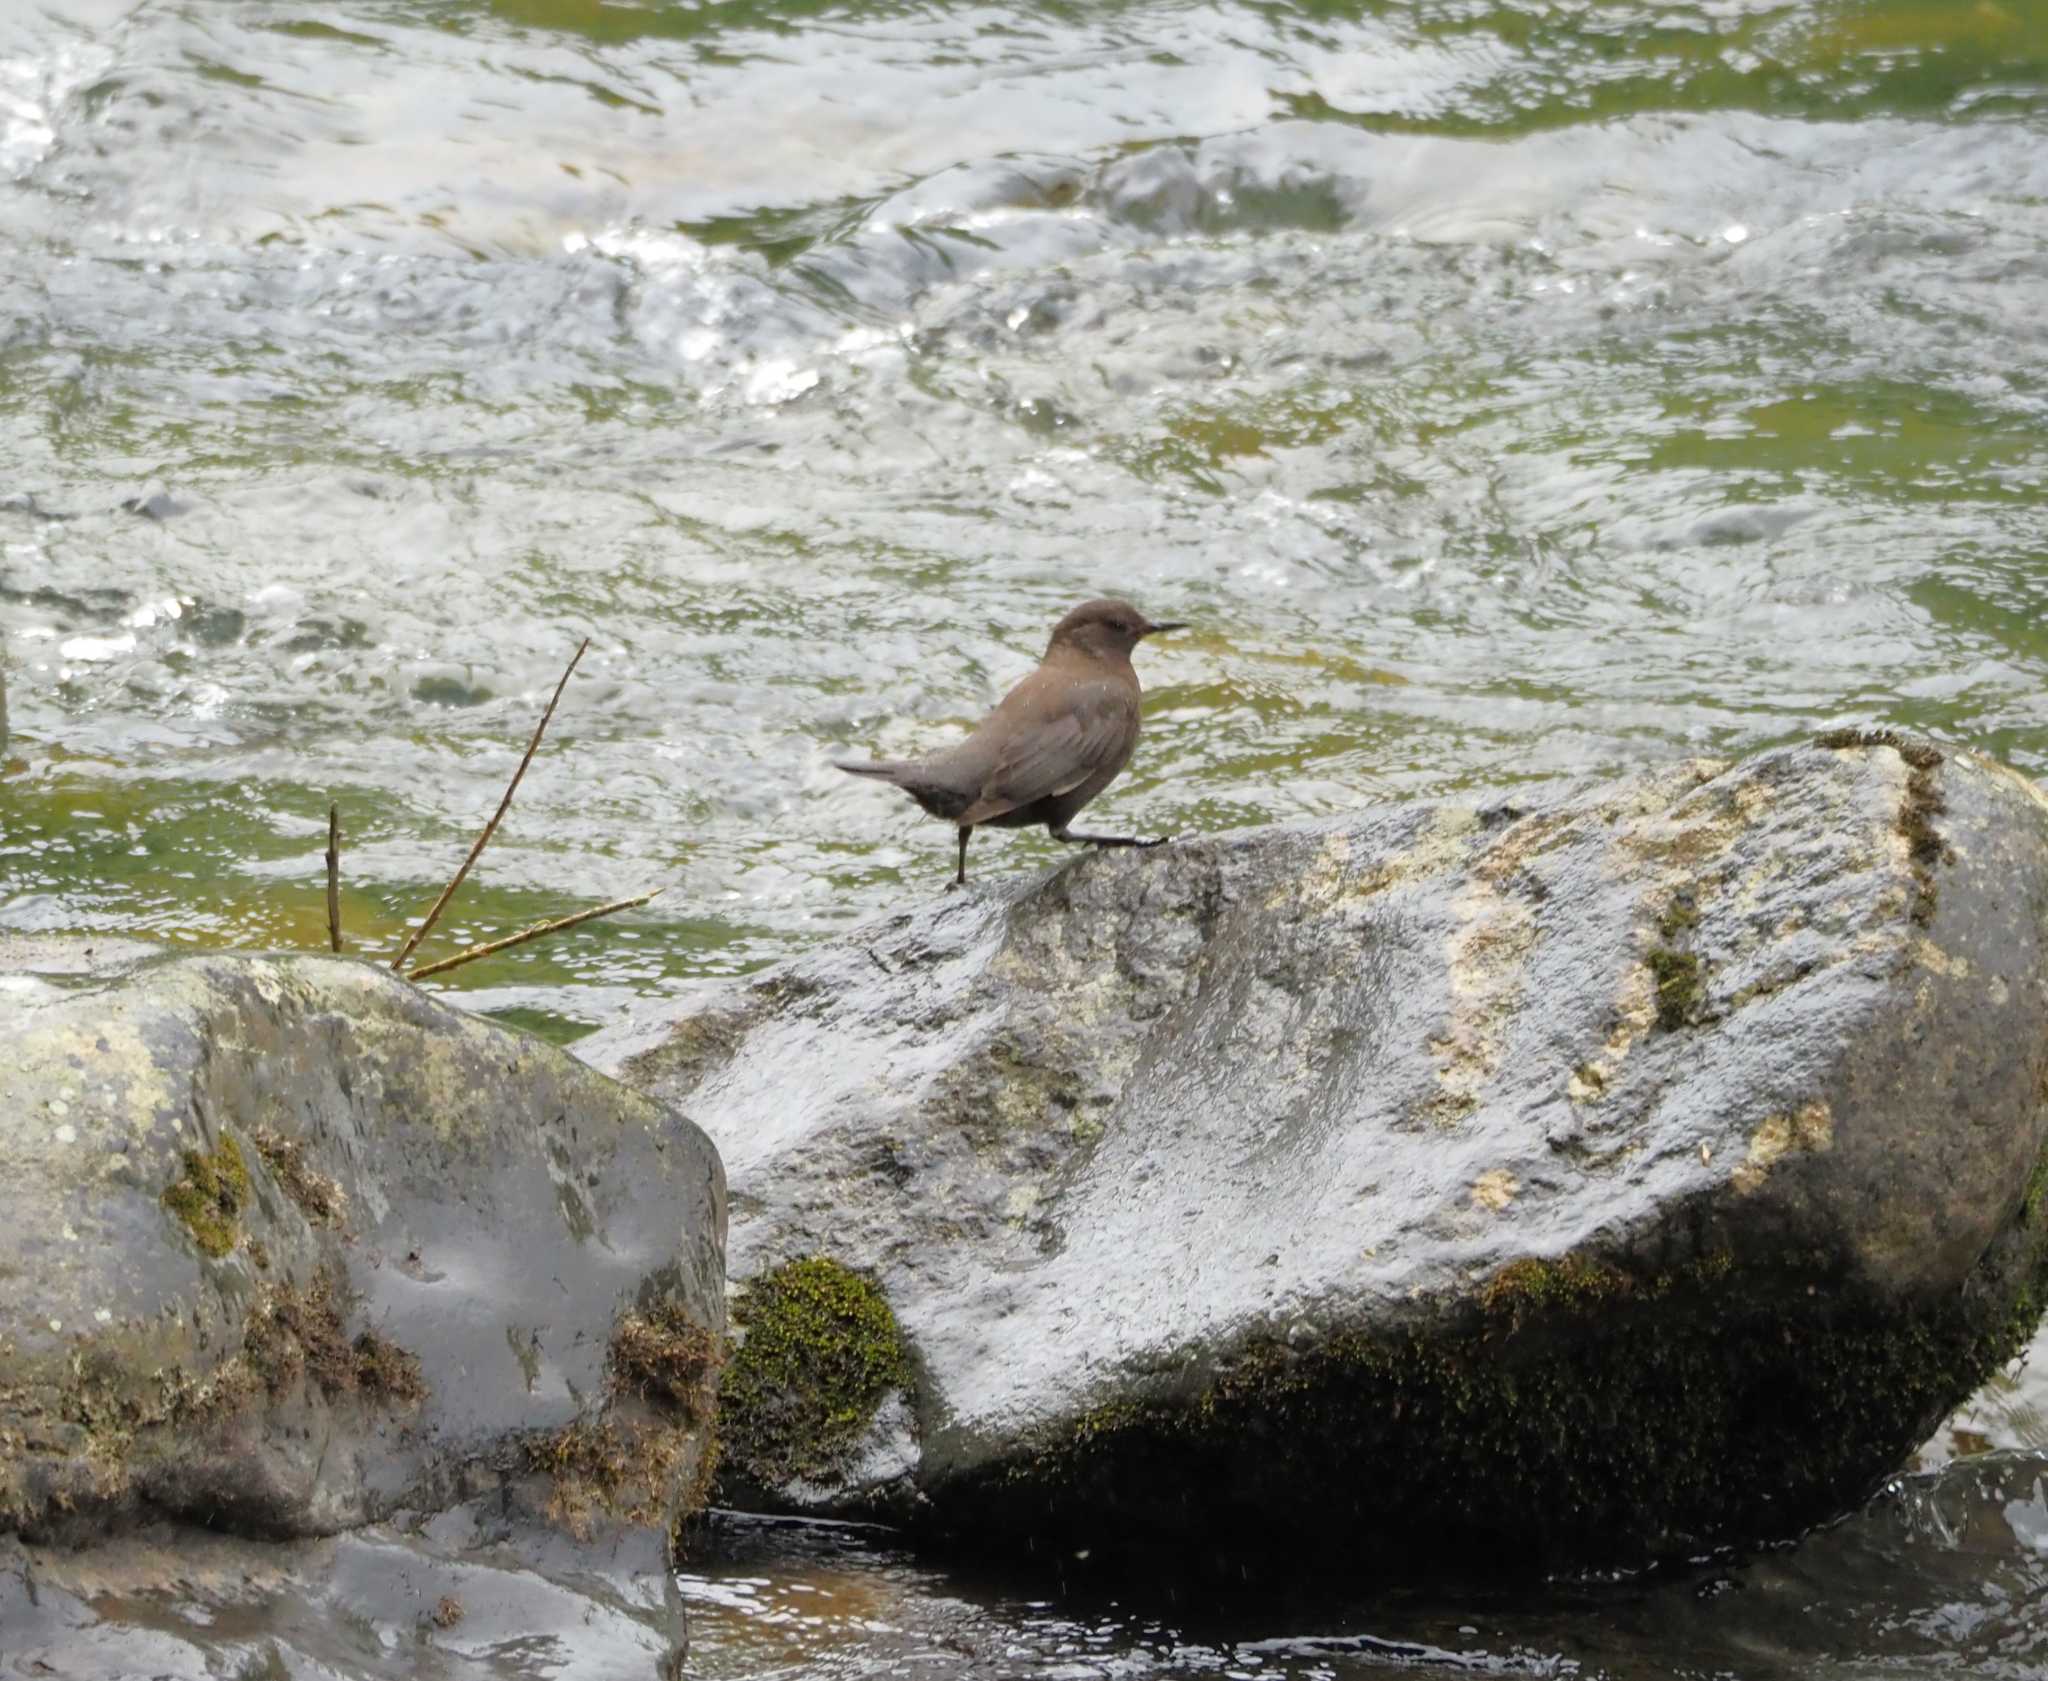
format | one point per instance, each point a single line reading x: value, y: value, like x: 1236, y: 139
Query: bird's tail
x: 882, y: 770
x: 938, y: 796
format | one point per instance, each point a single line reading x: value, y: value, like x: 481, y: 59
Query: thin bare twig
x: 490, y: 828
x: 334, y: 876
x: 520, y: 939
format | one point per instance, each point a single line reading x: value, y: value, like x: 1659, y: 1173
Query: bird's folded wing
x: 1059, y: 752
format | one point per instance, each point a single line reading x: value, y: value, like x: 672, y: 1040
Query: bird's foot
x: 1102, y: 843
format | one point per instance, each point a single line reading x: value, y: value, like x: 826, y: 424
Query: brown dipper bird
x: 1056, y: 740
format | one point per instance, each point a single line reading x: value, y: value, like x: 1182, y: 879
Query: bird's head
x: 1105, y: 629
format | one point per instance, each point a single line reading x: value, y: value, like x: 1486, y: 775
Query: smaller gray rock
x: 289, y: 1245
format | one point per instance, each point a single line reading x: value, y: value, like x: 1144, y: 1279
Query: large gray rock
x: 287, y: 1245
x: 1599, y: 1175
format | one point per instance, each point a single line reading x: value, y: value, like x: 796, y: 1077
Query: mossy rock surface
x: 1594, y: 1176
x: 288, y: 1244
x: 209, y: 1196
x: 818, y: 1353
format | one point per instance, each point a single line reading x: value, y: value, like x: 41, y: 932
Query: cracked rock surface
x: 1628, y: 1167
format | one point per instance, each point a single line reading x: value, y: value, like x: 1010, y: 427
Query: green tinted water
x: 1505, y: 391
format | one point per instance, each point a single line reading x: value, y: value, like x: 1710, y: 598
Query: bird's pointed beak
x: 1171, y: 624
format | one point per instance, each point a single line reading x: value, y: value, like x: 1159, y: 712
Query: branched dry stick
x: 533, y: 933
x: 334, y: 876
x: 490, y: 828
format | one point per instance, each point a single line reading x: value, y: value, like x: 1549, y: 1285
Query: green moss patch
x: 1528, y: 1284
x: 820, y: 1353
x: 1677, y: 974
x: 210, y: 1196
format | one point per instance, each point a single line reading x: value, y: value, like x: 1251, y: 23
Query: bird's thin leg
x: 960, y: 876
x: 1106, y: 840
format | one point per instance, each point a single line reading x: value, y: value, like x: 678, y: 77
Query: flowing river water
x: 1503, y: 391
